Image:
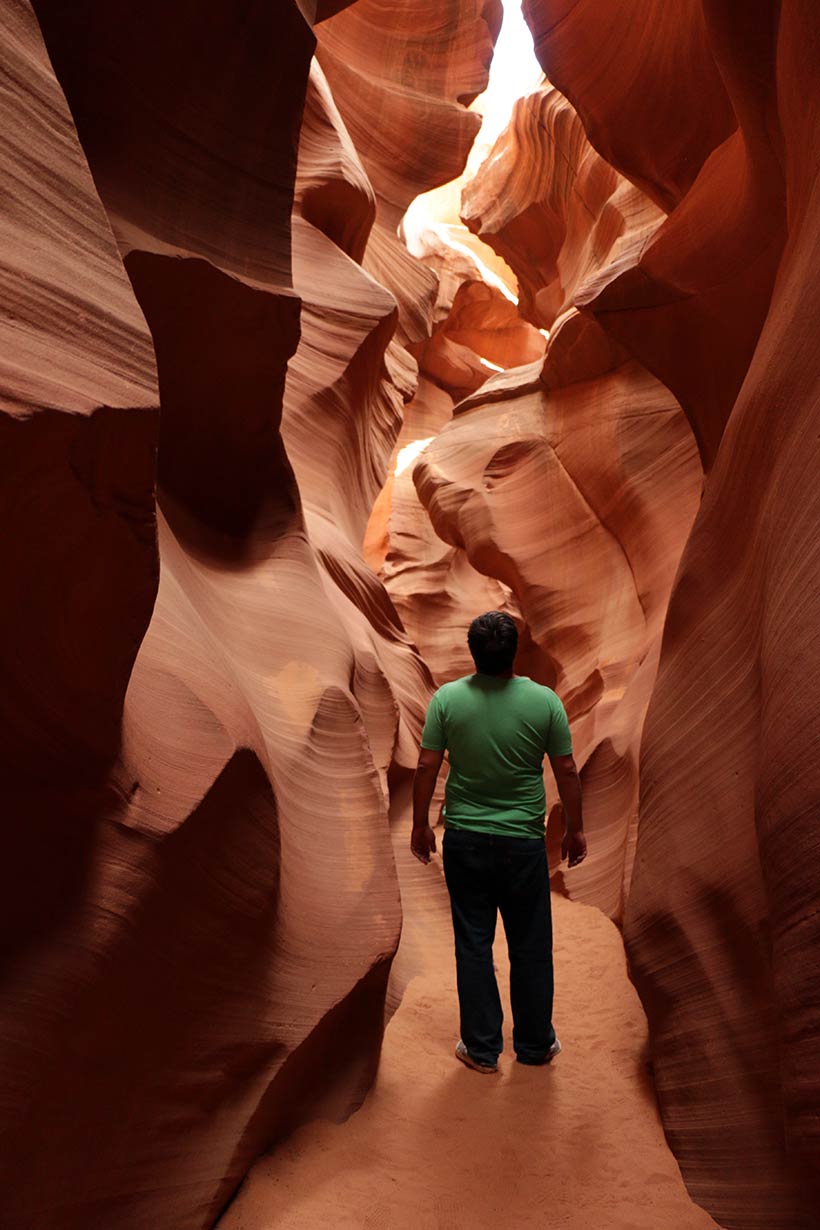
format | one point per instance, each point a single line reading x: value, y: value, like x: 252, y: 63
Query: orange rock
x: 402, y: 77
x: 79, y: 423
x: 642, y: 76
x: 203, y: 898
x: 332, y: 189
x: 721, y: 917
x: 588, y: 548
x: 560, y: 488
x: 187, y: 895
x: 705, y: 147
x: 724, y: 951
x: 552, y: 207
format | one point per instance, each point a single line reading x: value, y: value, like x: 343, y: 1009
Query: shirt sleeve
x: 559, y: 739
x: 433, y: 736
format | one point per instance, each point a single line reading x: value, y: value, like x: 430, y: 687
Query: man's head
x: 493, y: 641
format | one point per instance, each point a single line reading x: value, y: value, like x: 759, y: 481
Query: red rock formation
x: 405, y: 112
x: 590, y: 562
x: 703, y: 285
x: 592, y: 447
x: 432, y: 583
x: 482, y: 331
x: 170, y: 991
x: 79, y: 428
x: 342, y: 413
x: 194, y: 965
x: 552, y: 207
x: 642, y: 76
x: 203, y: 898
x: 332, y: 189
x: 723, y: 949
x: 402, y: 77
x: 732, y: 938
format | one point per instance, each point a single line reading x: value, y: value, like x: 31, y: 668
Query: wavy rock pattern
x: 710, y: 155
x: 553, y: 208
x: 720, y: 305
x: 435, y: 588
x: 563, y: 490
x: 605, y: 56
x: 588, y: 550
x: 214, y: 355
x: 79, y: 424
x: 402, y: 77
x: 203, y: 897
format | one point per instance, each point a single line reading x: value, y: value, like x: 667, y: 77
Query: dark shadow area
x: 164, y: 1029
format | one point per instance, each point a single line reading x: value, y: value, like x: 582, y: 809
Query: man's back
x: 497, y: 727
x: 497, y: 730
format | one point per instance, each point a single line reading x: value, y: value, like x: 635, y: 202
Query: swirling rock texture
x: 201, y: 898
x: 434, y: 586
x: 698, y: 135
x: 712, y: 109
x: 217, y: 349
x: 562, y: 488
x: 578, y: 500
x: 402, y: 76
x: 553, y: 208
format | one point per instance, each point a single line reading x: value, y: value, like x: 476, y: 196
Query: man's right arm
x: 574, y: 844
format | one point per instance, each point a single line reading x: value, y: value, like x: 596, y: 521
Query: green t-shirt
x: 497, y: 732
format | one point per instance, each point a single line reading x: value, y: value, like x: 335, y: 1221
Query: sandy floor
x: 437, y: 1147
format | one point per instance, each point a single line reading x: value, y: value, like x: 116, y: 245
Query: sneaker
x: 554, y: 1050
x: 466, y: 1058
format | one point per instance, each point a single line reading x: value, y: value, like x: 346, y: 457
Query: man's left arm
x: 423, y: 839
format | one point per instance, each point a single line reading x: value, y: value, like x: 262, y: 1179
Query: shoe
x: 554, y: 1050
x: 466, y: 1058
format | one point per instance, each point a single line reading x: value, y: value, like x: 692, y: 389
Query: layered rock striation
x: 263, y: 466
x: 561, y: 488
x: 721, y: 923
x: 206, y: 685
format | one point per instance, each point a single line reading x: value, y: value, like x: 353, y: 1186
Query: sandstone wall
x: 560, y: 489
x: 216, y: 352
x: 204, y: 686
x: 712, y: 110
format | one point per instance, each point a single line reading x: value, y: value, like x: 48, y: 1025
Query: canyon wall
x: 667, y: 247
x: 204, y: 685
x: 262, y: 466
x: 561, y: 488
x: 712, y: 110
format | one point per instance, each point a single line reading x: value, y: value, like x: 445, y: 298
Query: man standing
x: 497, y: 727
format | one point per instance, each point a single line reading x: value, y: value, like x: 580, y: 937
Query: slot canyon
x: 333, y: 324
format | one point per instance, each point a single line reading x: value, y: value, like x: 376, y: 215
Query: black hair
x: 493, y: 641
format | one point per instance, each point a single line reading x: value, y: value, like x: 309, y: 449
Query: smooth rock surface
x: 721, y: 920
x: 552, y: 207
x: 263, y: 464
x: 587, y: 548
x: 724, y: 952
x: 202, y: 895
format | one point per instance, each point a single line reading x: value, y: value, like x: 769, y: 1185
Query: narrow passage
x: 575, y: 1146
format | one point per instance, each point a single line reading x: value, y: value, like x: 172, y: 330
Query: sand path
x: 577, y: 1145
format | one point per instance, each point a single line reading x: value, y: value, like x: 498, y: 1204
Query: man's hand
x: 423, y: 839
x: 574, y: 844
x: 574, y: 847
x: 423, y: 843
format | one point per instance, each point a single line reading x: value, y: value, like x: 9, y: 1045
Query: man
x: 497, y: 727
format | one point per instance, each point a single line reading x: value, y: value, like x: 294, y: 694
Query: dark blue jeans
x: 486, y: 874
